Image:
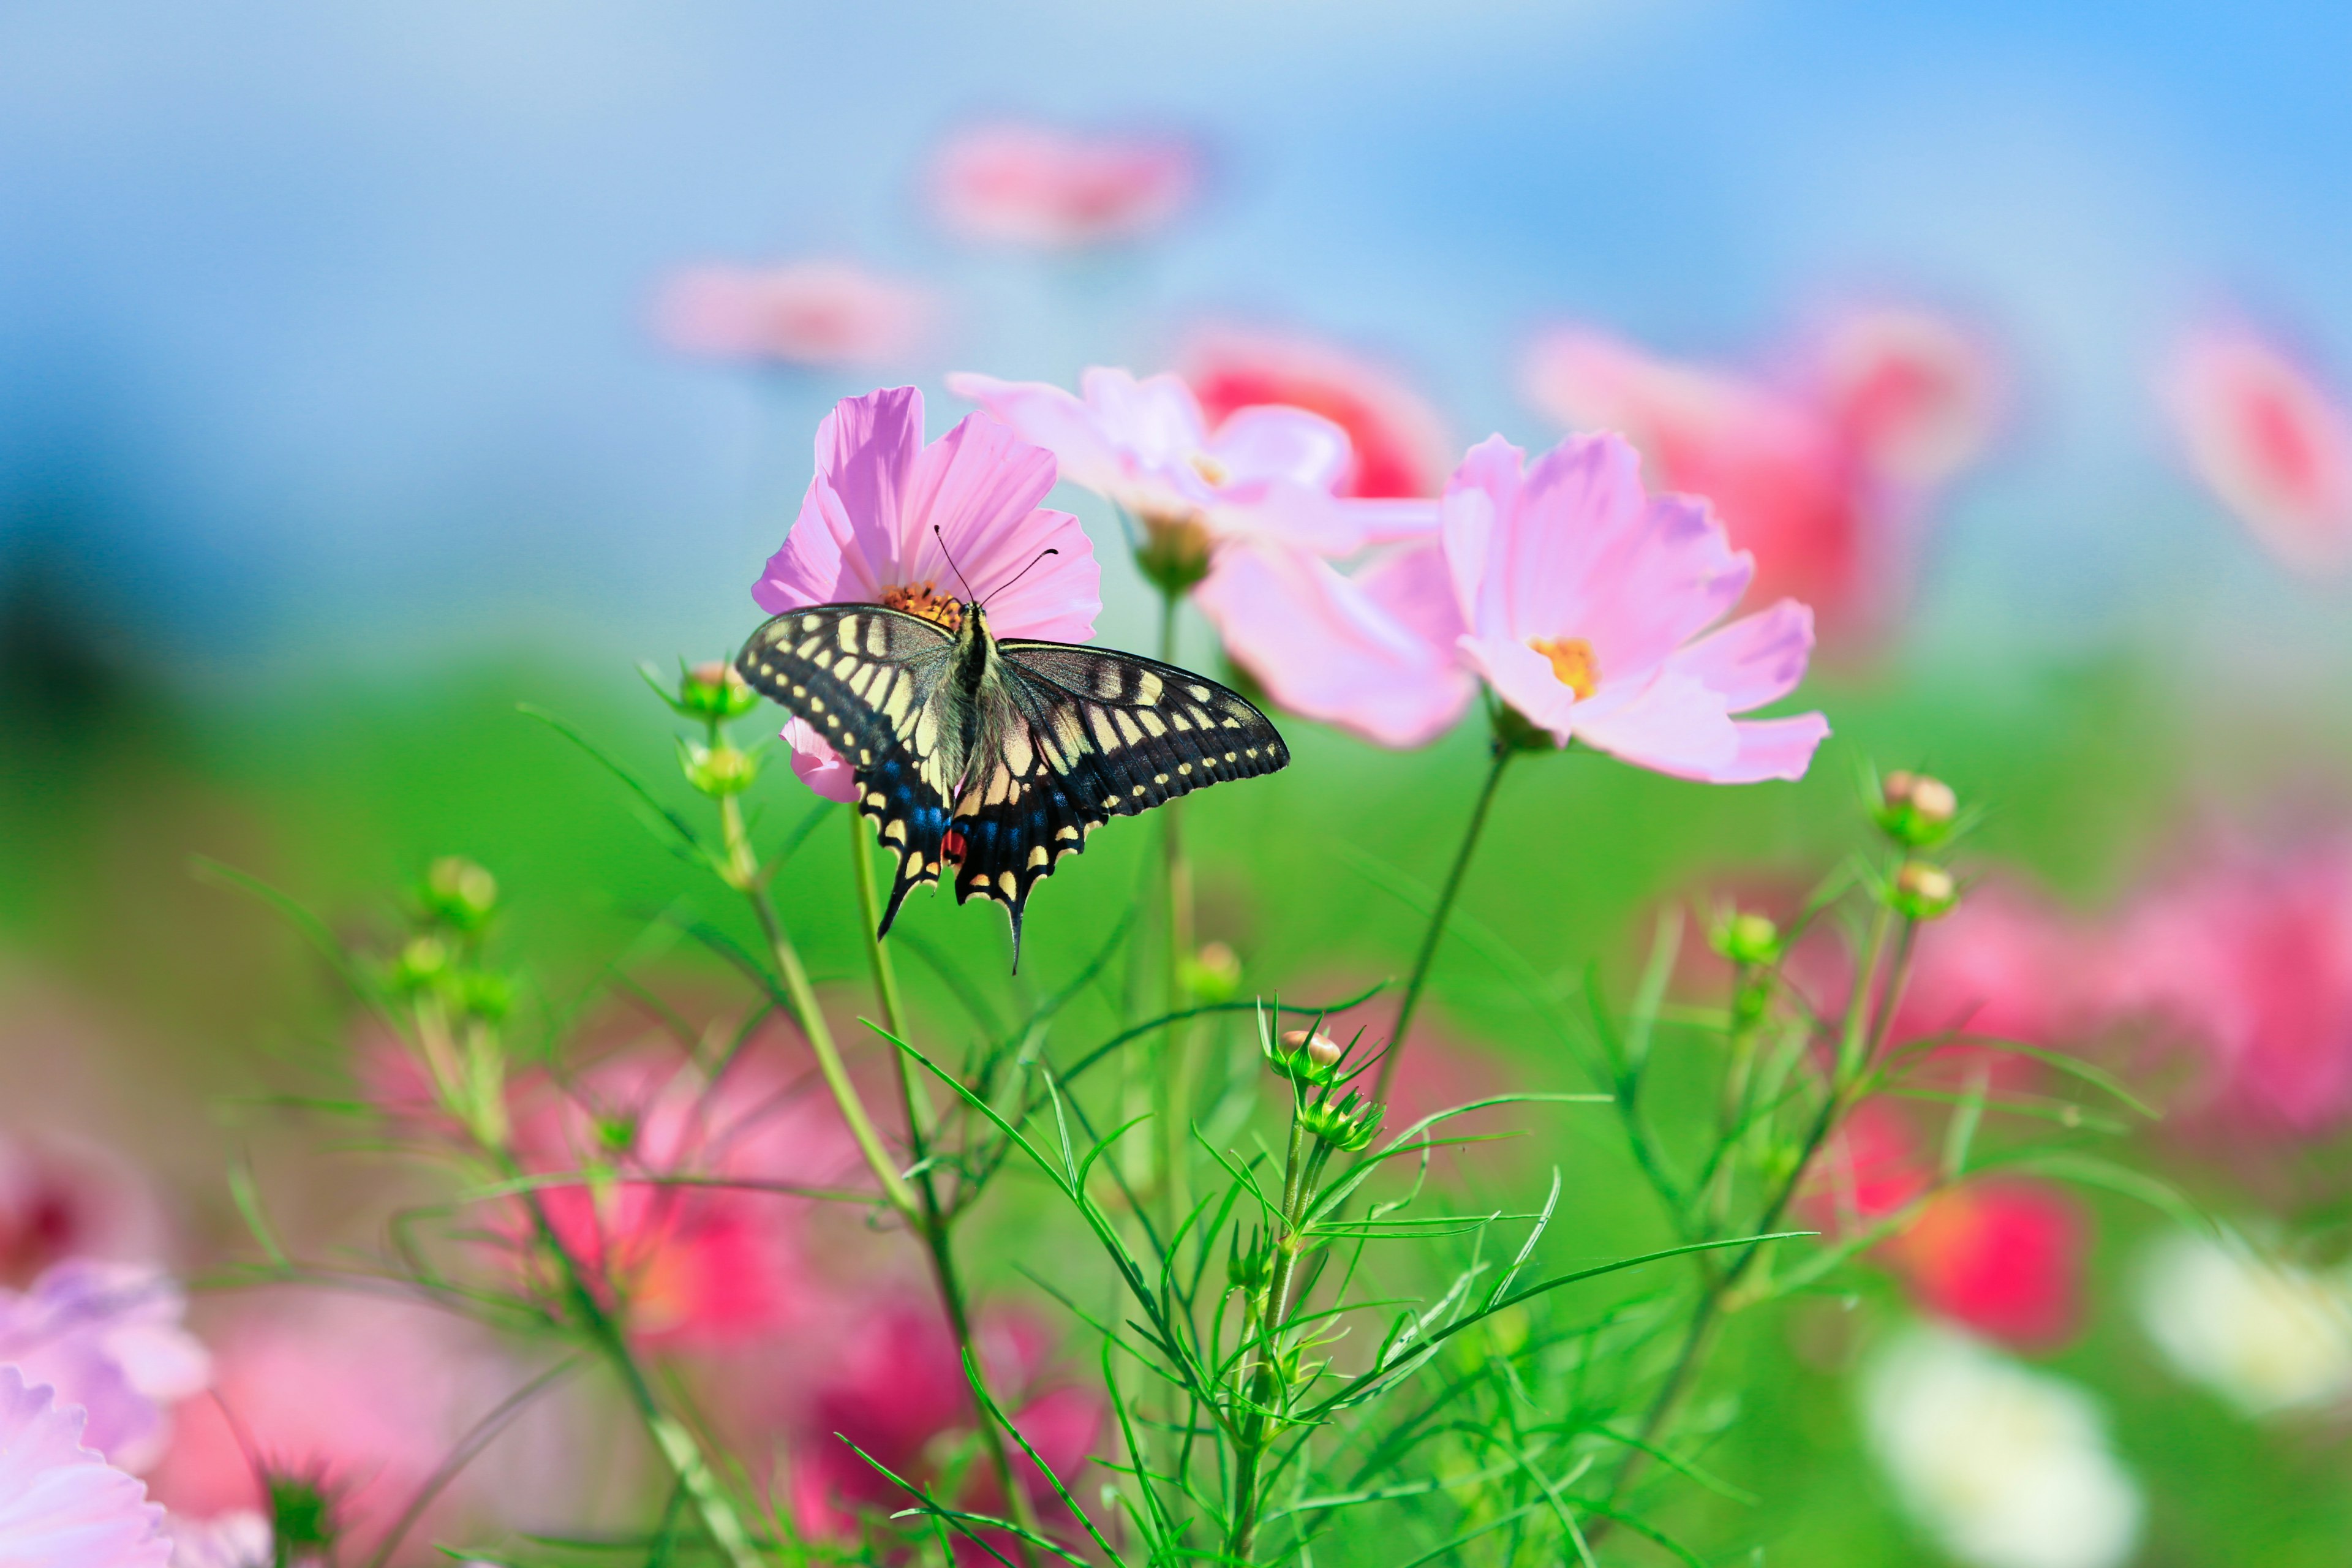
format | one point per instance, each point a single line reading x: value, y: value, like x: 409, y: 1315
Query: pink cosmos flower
x: 2247, y: 960
x: 107, y: 1336
x: 1822, y: 473
x: 1583, y: 602
x: 693, y: 1266
x: 826, y: 314
x: 866, y: 533
x: 1046, y: 189
x: 61, y: 1505
x: 366, y: 1396
x: 1398, y: 443
x: 1266, y: 473
x: 900, y: 1390
x: 2269, y: 439
x: 2001, y: 1255
x: 61, y: 1197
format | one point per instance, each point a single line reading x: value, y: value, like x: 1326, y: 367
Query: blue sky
x: 322, y: 327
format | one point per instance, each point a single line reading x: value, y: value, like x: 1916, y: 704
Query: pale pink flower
x: 866, y: 533
x: 2247, y: 960
x: 1399, y: 446
x: 364, y: 1396
x: 691, y: 1266
x: 1265, y: 473
x: 1821, y: 474
x: 2271, y: 440
x: 61, y: 1197
x: 62, y: 1505
x: 107, y: 1336
x: 1044, y: 188
x: 1371, y: 650
x: 900, y: 1389
x: 1584, y: 601
x: 239, y: 1539
x: 826, y: 314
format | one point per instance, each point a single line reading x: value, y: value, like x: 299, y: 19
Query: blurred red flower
x: 1823, y: 472
x: 2268, y: 438
x: 1045, y: 188
x: 1399, y: 446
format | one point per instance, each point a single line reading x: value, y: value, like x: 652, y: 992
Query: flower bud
x: 424, y: 960
x: 1749, y: 938
x: 714, y: 691
x: 1320, y: 1047
x: 1923, y: 891
x: 720, y: 769
x: 459, y: 893
x: 1214, y: 974
x: 1174, y: 554
x: 1348, y: 1125
x: 1247, y: 1268
x: 1915, y: 809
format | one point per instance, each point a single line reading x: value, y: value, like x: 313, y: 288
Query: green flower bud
x: 1915, y: 810
x: 1348, y: 1125
x: 720, y: 769
x: 1748, y: 938
x: 1174, y: 554
x: 716, y: 691
x: 1247, y: 1270
x: 423, y: 962
x: 1923, y: 891
x: 1214, y: 974
x: 458, y: 893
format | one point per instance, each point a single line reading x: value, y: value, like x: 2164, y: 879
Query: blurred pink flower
x: 239, y: 1538
x: 1267, y: 473
x: 1048, y: 189
x: 1821, y: 475
x: 901, y: 1388
x: 107, y: 1336
x: 1398, y: 443
x: 2269, y: 439
x: 1369, y: 650
x: 2247, y: 960
x: 2002, y: 1256
x: 691, y: 1266
x: 61, y: 1505
x: 827, y: 314
x: 1582, y: 596
x: 366, y: 1396
x: 61, y: 1197
x: 864, y: 534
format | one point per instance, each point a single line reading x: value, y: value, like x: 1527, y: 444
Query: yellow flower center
x: 1572, y: 662
x: 1210, y: 470
x: 922, y: 599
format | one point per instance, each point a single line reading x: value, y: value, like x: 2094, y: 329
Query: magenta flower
x: 1264, y: 472
x: 107, y: 1336
x: 61, y: 1505
x: 2269, y: 439
x: 1584, y: 602
x: 826, y: 314
x: 61, y: 1197
x: 864, y: 534
x: 1372, y: 651
x: 1046, y: 189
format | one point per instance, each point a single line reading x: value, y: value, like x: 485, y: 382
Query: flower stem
x: 1261, y: 1374
x: 1436, y: 930
x: 1177, y: 1066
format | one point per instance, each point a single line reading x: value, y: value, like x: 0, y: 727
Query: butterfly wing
x: 1075, y: 736
x: 873, y: 682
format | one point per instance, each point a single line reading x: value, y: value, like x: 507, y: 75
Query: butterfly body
x: 997, y: 758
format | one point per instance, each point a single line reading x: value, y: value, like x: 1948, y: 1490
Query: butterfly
x: 996, y: 758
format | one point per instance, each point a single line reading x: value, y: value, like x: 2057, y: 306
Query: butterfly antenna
x: 1049, y: 550
x: 942, y: 538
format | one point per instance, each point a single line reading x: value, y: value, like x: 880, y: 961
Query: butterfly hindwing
x: 874, y: 683
x: 1073, y: 736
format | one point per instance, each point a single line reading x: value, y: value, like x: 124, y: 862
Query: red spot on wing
x: 951, y: 845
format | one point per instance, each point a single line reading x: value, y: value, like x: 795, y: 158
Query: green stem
x: 1177, y: 1067
x: 1436, y: 930
x: 1263, y: 1374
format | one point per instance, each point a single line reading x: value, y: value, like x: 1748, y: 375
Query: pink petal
x: 816, y: 764
x: 1399, y: 447
x: 1479, y: 498
x: 1156, y: 419
x: 844, y: 545
x: 1281, y: 444
x: 1370, y: 655
x: 1052, y: 418
x: 1669, y: 724
x: 61, y: 1506
x: 1913, y: 392
x: 1635, y: 579
x: 1756, y: 659
x: 973, y: 485
x: 1045, y: 188
x: 1772, y: 748
x: 827, y: 313
x: 2270, y: 440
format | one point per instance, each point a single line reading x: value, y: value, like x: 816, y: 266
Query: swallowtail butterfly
x: 993, y: 760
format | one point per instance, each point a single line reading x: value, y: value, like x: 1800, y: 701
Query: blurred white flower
x: 239, y: 1539
x: 2006, y: 1467
x: 2263, y: 1336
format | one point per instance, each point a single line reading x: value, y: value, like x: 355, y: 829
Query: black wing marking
x: 872, y: 681
x: 1083, y: 735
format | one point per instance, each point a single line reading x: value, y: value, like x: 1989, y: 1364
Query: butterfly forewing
x: 874, y: 683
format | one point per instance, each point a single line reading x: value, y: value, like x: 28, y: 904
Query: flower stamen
x: 925, y: 600
x: 1572, y: 663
